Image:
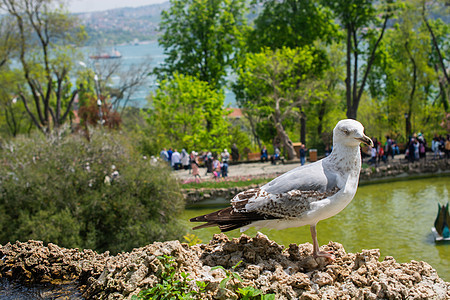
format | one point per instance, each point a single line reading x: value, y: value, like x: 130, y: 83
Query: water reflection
x: 10, y: 290
x: 395, y: 217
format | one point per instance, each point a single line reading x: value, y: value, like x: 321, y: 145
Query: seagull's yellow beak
x: 366, y: 140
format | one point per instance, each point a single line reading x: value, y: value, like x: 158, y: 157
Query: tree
x: 8, y: 41
x: 13, y: 116
x: 292, y: 23
x: 363, y: 35
x: 325, y: 107
x: 188, y: 114
x: 117, y: 82
x: 45, y: 44
x: 201, y: 38
x: 276, y: 82
x: 406, y: 82
x: 439, y: 32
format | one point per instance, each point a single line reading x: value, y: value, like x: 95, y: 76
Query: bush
x: 100, y: 194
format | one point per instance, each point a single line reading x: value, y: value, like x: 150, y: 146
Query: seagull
x: 304, y: 195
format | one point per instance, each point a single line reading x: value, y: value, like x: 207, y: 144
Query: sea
x: 134, y: 54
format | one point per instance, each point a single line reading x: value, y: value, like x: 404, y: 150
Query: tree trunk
x: 302, y: 127
x: 408, y: 125
x: 321, y: 114
x: 435, y: 44
x: 287, y: 143
x: 348, y: 85
x: 253, y: 128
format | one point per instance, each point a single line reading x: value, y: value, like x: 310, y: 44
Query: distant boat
x: 441, y: 230
x: 114, y: 54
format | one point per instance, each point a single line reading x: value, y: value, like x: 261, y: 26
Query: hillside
x: 122, y: 25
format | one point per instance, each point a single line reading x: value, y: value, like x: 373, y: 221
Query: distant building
x: 235, y: 113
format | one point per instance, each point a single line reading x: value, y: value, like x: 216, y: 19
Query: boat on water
x: 114, y: 54
x: 441, y: 229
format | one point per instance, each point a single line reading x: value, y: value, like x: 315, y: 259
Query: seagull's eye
x: 346, y: 131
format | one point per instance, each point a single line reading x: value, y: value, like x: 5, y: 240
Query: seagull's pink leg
x: 316, y: 252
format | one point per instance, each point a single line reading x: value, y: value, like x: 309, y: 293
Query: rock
x: 290, y: 273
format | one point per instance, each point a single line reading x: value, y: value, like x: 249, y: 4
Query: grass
x: 226, y: 183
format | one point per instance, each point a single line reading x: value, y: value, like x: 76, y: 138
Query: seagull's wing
x: 317, y: 176
x: 292, y: 194
x: 292, y: 204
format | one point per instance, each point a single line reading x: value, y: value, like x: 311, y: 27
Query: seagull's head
x: 350, y: 133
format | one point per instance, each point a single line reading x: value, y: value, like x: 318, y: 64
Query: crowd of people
x: 414, y: 150
x: 215, y: 164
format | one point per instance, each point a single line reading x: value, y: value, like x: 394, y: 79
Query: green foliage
x: 201, y: 38
x: 273, y: 85
x: 192, y: 239
x: 13, y: 116
x: 364, y: 24
x: 406, y: 81
x: 239, y: 136
x: 251, y: 293
x: 234, y: 281
x: 240, y: 182
x: 292, y: 24
x: 189, y: 114
x: 45, y: 45
x: 99, y: 194
x: 170, y: 286
x: 231, y: 276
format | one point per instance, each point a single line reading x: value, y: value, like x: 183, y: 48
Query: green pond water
x: 394, y: 217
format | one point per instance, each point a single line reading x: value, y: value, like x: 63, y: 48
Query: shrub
x: 99, y: 194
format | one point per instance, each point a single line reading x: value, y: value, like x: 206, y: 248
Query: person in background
x: 395, y: 148
x: 208, y: 159
x: 373, y: 155
x: 388, y: 148
x: 216, y: 168
x: 169, y: 153
x: 327, y: 150
x: 264, y: 154
x: 447, y: 147
x: 302, y: 154
x: 185, y: 159
x: 435, y: 145
x: 176, y: 160
x: 164, y: 156
x: 422, y: 145
x: 225, y: 158
x: 275, y: 156
x: 195, y: 166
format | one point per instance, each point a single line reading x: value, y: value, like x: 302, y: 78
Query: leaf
x: 224, y: 282
x: 236, y: 276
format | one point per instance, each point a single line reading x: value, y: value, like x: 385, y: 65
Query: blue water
x: 136, y: 54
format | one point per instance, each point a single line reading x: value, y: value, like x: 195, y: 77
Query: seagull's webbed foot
x: 329, y: 255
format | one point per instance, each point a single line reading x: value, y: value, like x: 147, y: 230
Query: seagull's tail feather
x: 228, y: 219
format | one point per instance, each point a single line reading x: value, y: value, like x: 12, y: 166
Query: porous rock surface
x: 290, y: 273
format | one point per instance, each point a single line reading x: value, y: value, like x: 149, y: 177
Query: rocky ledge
x: 290, y: 273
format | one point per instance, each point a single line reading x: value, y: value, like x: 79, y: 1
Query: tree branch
x: 372, y: 56
x: 33, y: 118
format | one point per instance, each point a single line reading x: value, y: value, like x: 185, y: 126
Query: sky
x: 98, y: 5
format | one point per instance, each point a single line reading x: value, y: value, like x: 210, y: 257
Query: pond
x: 394, y: 217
